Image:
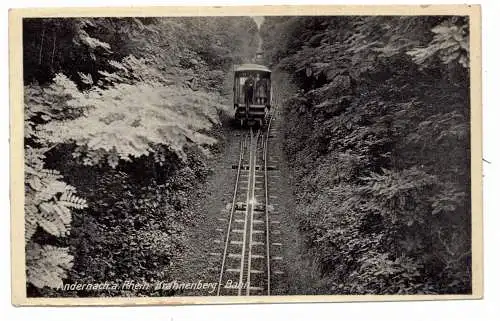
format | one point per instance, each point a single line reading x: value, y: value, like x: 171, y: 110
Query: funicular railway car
x: 252, y: 93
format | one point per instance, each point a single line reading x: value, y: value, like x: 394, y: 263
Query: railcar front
x: 252, y: 93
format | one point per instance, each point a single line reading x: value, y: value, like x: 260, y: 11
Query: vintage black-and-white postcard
x: 187, y: 155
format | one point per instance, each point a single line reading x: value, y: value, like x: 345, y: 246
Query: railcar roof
x: 248, y: 67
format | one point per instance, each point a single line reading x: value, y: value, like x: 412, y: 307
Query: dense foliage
x: 378, y: 137
x: 117, y: 120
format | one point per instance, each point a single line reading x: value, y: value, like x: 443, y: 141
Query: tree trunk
x: 41, y: 47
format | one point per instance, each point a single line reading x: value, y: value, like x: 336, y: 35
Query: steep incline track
x: 246, y: 261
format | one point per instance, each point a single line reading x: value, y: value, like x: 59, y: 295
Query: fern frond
x: 31, y: 222
x: 450, y: 44
x: 127, y: 120
x: 54, y: 219
x: 47, y: 265
x: 48, y: 202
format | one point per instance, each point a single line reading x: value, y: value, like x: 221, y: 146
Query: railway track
x: 247, y: 264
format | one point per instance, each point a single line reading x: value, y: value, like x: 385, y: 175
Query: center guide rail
x: 245, y: 267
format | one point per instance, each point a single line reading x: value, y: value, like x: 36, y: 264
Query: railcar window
x: 260, y: 96
x: 240, y: 90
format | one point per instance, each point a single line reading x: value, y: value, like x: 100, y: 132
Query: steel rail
x: 235, y: 193
x: 251, y: 204
x: 267, y: 205
x: 251, y: 165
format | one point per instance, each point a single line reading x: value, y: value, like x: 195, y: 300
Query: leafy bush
x: 124, y: 121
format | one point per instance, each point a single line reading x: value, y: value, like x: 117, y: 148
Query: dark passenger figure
x: 261, y: 88
x: 248, y: 89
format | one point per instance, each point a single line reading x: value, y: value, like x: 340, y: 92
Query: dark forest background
x: 119, y: 124
x: 378, y: 136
